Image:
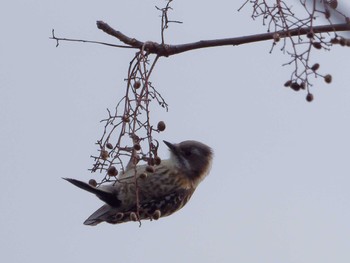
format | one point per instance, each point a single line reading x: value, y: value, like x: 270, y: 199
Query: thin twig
x: 83, y: 41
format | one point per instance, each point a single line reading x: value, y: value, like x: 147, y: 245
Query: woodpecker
x: 155, y: 194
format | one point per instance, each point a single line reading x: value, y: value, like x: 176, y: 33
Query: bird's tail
x: 106, y: 196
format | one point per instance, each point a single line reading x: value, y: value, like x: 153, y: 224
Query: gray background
x: 279, y: 186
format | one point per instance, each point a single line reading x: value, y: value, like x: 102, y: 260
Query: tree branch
x: 123, y: 38
x: 169, y: 50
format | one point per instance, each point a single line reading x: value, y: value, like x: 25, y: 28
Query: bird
x: 140, y: 193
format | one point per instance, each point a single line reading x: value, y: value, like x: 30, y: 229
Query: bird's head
x: 192, y: 157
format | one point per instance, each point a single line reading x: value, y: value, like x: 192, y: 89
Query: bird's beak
x: 171, y: 146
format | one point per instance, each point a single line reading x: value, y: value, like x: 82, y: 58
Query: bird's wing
x: 100, y: 215
x: 129, y: 172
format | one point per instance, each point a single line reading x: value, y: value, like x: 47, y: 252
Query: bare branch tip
x: 53, y: 37
x: 100, y: 24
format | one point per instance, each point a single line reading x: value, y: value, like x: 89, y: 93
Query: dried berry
x: 342, y: 41
x: 125, y: 118
x: 93, y: 182
x: 333, y: 3
x: 161, y: 126
x: 137, y: 84
x: 276, y: 37
x: 157, y: 160
x: 317, y: 45
x: 295, y: 86
x: 315, y: 67
x: 150, y: 161
x: 112, y: 171
x: 288, y: 83
x: 119, y: 216
x: 156, y: 215
x: 137, y: 147
x: 310, y: 35
x: 335, y: 41
x: 347, y: 42
x: 104, y: 155
x: 328, y: 78
x: 109, y: 146
x: 309, y: 97
x: 133, y: 216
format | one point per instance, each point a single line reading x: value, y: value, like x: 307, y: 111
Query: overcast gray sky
x: 279, y: 186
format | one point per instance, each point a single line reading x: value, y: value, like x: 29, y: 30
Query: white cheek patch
x: 180, y: 162
x: 186, y: 163
x: 196, y: 152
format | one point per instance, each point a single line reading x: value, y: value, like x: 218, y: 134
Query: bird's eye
x: 187, y: 152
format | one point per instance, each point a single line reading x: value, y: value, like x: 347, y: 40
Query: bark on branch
x: 168, y: 50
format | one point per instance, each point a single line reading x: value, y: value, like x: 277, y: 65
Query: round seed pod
x: 109, y: 146
x: 310, y: 35
x: 119, y: 216
x: 161, y: 126
x: 156, y: 215
x: 93, y: 182
x: 333, y: 3
x: 328, y: 78
x: 104, y: 155
x: 288, y: 83
x: 157, y: 160
x: 137, y: 147
x: 315, y: 66
x: 342, y: 41
x: 295, y: 86
x: 309, y: 97
x: 112, y: 171
x: 133, y: 216
x: 317, y: 45
x: 125, y: 118
x: 276, y: 37
x: 137, y: 84
x: 335, y: 40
